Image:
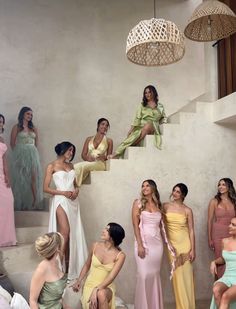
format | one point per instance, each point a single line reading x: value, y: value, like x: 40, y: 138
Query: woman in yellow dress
x: 95, y: 151
x: 149, y: 115
x: 104, y: 262
x: 180, y: 232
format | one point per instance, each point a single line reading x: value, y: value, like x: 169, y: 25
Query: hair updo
x: 48, y: 244
x: 62, y: 148
x: 183, y: 189
x: 116, y: 232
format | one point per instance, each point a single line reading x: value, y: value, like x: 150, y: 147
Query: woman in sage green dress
x: 149, y: 115
x: 26, y: 171
x: 48, y: 281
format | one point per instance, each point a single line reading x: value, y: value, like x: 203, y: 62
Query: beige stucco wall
x: 66, y: 59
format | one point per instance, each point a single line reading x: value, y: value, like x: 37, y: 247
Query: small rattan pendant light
x: 212, y: 20
x: 155, y: 42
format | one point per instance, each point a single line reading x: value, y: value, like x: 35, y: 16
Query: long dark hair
x: 3, y: 118
x: 155, y: 95
x: 62, y: 148
x: 155, y: 195
x: 21, y: 117
x: 231, y: 193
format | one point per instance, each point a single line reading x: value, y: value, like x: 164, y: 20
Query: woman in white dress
x: 64, y: 209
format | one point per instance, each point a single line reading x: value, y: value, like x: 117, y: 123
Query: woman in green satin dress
x: 48, y: 281
x: 149, y: 115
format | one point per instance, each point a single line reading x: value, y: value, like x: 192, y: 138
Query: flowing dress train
x: 148, y: 292
x: 82, y: 169
x: 183, y: 282
x: 7, y: 222
x: 64, y: 181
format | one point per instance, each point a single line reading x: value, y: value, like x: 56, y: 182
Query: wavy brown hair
x: 155, y: 195
x: 231, y: 193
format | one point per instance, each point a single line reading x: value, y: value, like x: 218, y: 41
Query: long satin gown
x: 220, y: 230
x: 25, y: 166
x: 97, y: 274
x: 144, y: 115
x: 7, y: 222
x: 83, y: 169
x: 229, y: 277
x: 148, y: 293
x: 64, y: 181
x: 51, y: 294
x: 183, y: 282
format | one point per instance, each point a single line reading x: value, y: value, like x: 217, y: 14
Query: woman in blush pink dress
x: 146, y: 216
x: 221, y: 210
x: 7, y: 224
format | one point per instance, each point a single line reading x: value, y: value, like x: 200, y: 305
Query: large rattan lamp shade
x: 155, y: 42
x: 212, y: 20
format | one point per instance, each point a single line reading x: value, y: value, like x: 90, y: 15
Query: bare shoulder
x: 15, y: 128
x: 165, y: 206
x: 188, y: 210
x: 50, y: 167
x: 42, y: 268
x: 109, y: 140
x: 136, y: 204
x: 122, y: 255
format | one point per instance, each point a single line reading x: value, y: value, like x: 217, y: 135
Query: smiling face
x: 146, y: 189
x: 69, y: 153
x: 28, y: 116
x: 148, y: 94
x: 232, y: 227
x: 103, y: 127
x: 222, y: 187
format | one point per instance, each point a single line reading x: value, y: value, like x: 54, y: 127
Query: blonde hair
x: 48, y: 244
x: 155, y: 195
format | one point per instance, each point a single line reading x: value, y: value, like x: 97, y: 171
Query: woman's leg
x: 147, y: 129
x: 104, y: 297
x: 218, y: 289
x: 63, y: 228
x: 228, y: 296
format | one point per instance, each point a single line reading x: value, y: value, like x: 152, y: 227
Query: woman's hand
x: 141, y: 251
x: 90, y: 158
x: 213, y: 268
x: 211, y: 245
x: 93, y: 301
x: 67, y: 194
x: 75, y: 194
x: 76, y: 286
x: 101, y: 158
x: 192, y: 255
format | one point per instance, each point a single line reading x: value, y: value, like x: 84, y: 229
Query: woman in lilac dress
x: 146, y: 216
x: 7, y: 224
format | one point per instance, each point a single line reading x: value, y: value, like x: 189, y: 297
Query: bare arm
x: 211, y: 214
x: 14, y: 132
x: 219, y: 261
x: 36, y: 136
x: 77, y: 285
x: 110, y: 147
x: 36, y: 285
x: 46, y: 184
x: 136, y: 221
x: 191, y: 233
x: 85, y: 155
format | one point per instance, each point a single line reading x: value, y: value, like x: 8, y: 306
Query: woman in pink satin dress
x: 146, y: 217
x: 7, y: 224
x: 221, y: 210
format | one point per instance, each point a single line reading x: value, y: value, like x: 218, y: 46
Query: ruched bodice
x: 224, y: 216
x: 3, y: 149
x: 150, y: 224
x: 230, y: 261
x: 101, y: 148
x: 51, y: 294
x: 64, y: 180
x: 26, y: 138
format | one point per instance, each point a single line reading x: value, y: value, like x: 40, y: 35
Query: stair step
x: 30, y: 234
x: 31, y: 218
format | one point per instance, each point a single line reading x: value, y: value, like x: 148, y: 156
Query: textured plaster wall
x: 66, y: 59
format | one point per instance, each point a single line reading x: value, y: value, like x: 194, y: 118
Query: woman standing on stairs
x: 149, y: 115
x: 95, y: 151
x: 48, y: 281
x: 7, y: 223
x: 146, y: 217
x: 221, y: 209
x: 26, y: 171
x: 65, y: 209
x: 180, y: 232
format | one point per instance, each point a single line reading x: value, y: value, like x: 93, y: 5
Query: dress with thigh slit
x: 64, y: 181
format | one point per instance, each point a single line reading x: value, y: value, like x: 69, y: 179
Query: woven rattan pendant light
x: 212, y: 20
x: 155, y: 42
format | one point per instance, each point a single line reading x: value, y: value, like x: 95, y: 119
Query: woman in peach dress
x: 7, y: 224
x: 220, y: 212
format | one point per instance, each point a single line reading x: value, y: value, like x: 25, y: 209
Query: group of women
x: 64, y: 249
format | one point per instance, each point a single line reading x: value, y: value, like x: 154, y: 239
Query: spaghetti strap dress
x: 82, y: 169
